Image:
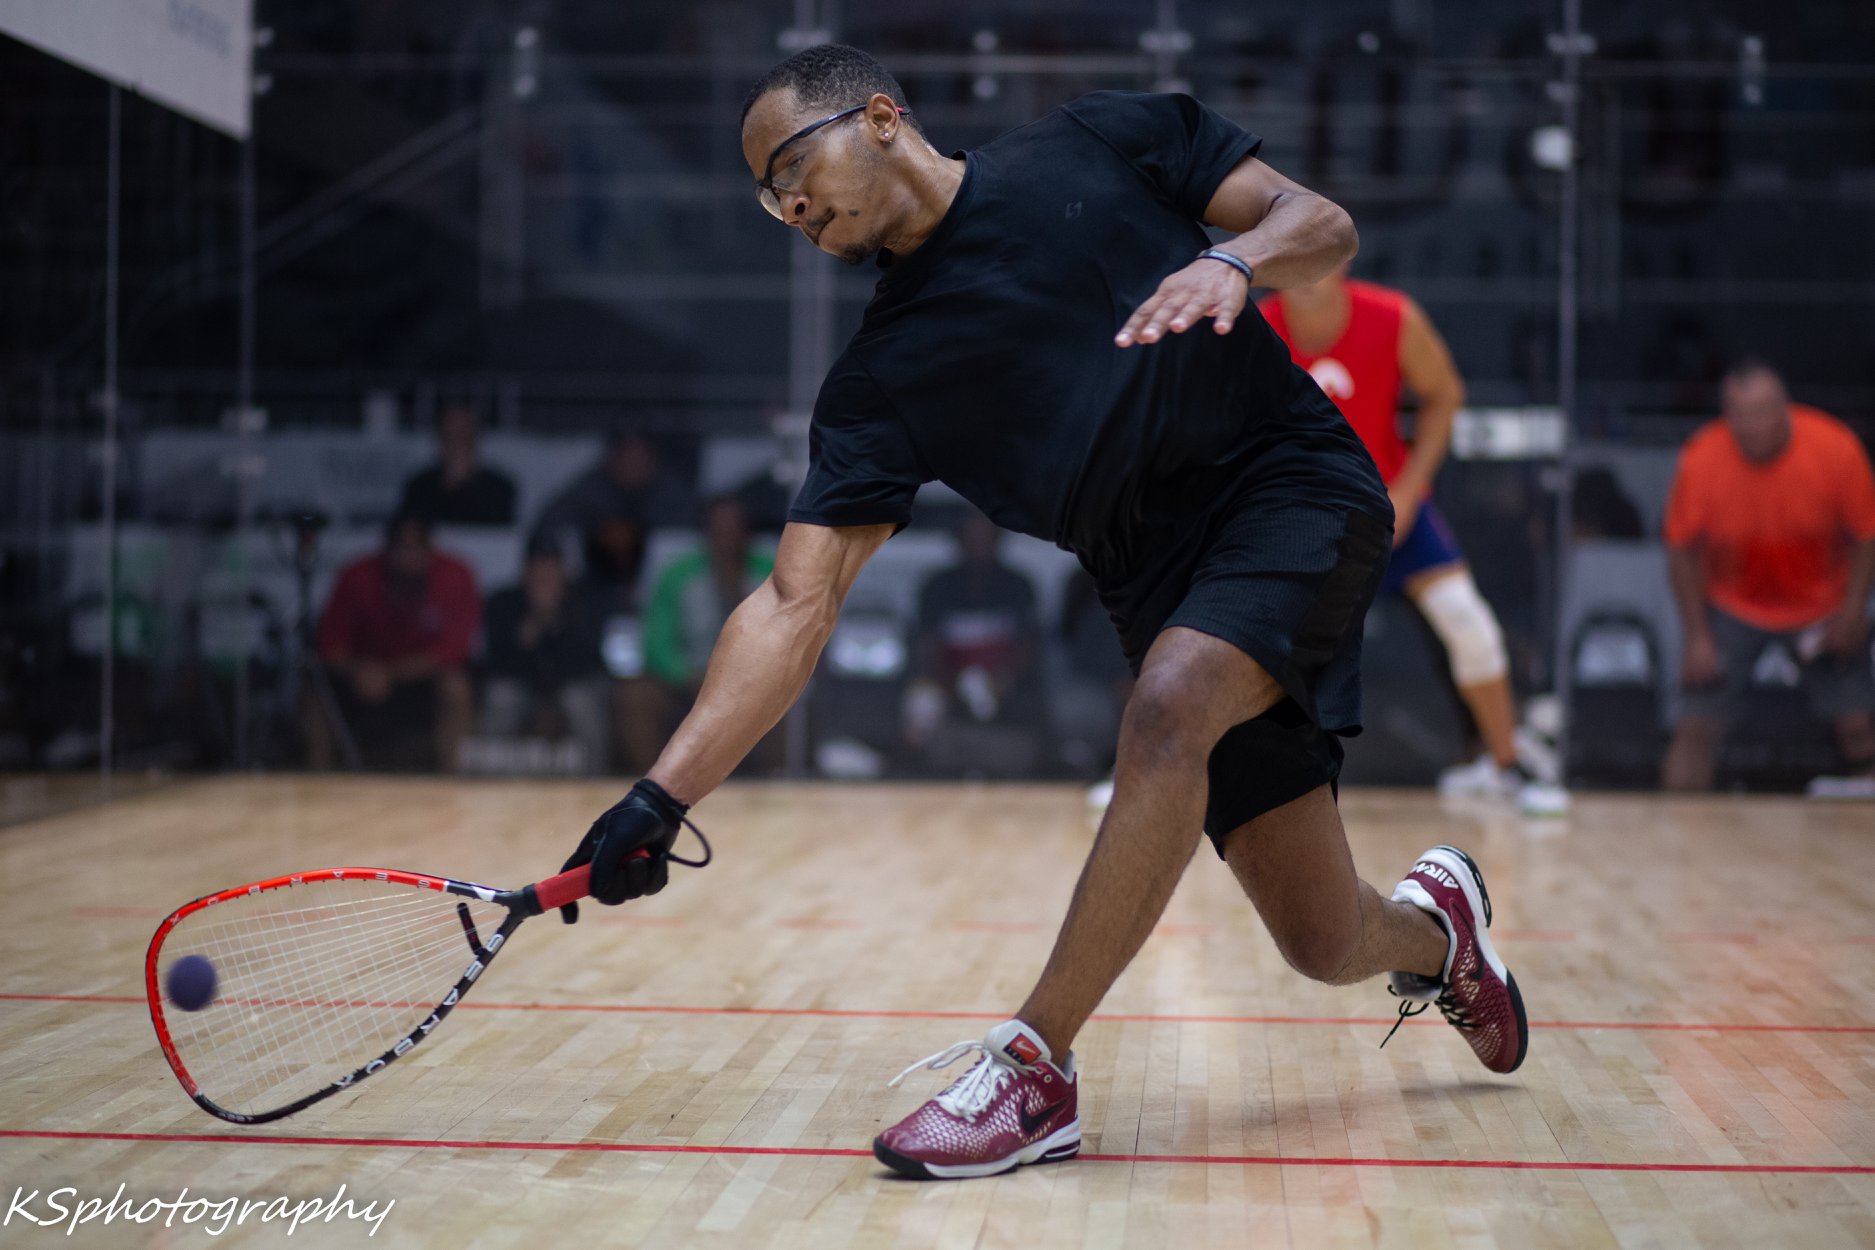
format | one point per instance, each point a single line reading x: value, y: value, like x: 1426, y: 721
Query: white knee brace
x: 1467, y: 627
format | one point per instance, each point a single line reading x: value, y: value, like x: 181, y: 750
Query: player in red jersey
x: 1362, y: 343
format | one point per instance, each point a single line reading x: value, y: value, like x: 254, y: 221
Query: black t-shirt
x: 986, y: 358
x: 566, y: 653
x: 485, y: 497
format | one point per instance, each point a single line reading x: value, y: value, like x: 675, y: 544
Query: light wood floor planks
x: 707, y: 1069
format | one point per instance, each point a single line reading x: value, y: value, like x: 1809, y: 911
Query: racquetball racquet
x: 321, y: 979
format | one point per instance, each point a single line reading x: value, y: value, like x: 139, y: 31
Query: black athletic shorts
x: 1288, y: 582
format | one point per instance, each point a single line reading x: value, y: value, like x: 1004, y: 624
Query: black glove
x: 647, y: 819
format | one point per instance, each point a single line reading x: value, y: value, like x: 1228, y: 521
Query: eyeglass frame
x: 765, y: 192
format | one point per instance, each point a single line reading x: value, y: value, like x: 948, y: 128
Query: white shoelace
x: 970, y: 1094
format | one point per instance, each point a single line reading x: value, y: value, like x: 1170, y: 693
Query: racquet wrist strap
x: 678, y: 814
x: 661, y: 799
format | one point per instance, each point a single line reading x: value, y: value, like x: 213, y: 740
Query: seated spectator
x: 975, y: 656
x: 608, y: 511
x: 614, y: 556
x: 545, y: 674
x: 607, y: 595
x: 1771, y: 539
x: 627, y: 482
x: 687, y: 610
x: 395, y: 639
x: 458, y: 489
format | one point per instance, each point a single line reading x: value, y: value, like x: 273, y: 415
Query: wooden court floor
x: 707, y: 1069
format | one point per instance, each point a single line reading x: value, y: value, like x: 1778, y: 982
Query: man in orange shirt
x: 1771, y: 539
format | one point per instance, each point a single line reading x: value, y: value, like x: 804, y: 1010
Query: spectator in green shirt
x: 690, y: 604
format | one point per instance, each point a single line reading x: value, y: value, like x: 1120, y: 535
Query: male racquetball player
x: 1034, y: 343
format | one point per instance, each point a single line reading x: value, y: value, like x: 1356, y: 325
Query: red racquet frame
x: 522, y: 903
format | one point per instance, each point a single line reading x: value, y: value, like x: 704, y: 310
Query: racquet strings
x: 314, y: 981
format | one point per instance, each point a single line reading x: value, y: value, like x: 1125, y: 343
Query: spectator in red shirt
x: 395, y: 637
x: 1771, y: 542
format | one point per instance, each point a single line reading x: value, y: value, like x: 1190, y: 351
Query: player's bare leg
x: 1018, y: 1104
x: 455, y: 714
x: 1495, y: 712
x: 1431, y: 937
x: 1192, y: 689
x: 1489, y: 700
x: 641, y: 714
x: 1855, y: 737
x: 1692, y: 756
x: 315, y: 731
x: 1330, y: 925
x: 1474, y: 644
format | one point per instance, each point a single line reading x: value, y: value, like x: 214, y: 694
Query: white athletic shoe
x: 1847, y: 788
x: 1538, y: 754
x: 1541, y: 798
x: 1479, y: 779
x: 1483, y: 779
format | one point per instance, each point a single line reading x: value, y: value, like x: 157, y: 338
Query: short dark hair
x: 467, y: 407
x: 830, y: 76
x: 1742, y: 367
x: 622, y: 436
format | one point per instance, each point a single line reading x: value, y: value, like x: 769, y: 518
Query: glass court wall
x: 541, y: 211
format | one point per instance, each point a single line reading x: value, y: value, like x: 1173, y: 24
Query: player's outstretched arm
x: 765, y: 654
x: 1287, y: 234
x: 757, y: 670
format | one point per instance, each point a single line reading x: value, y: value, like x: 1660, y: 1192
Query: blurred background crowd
x: 439, y: 421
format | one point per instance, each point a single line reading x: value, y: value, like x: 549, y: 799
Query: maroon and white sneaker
x: 1476, y: 994
x: 1015, y: 1106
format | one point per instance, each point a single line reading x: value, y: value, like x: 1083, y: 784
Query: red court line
x: 833, y: 1013
x: 811, y: 1152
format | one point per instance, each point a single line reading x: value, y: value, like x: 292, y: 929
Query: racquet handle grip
x: 572, y: 885
x: 568, y: 887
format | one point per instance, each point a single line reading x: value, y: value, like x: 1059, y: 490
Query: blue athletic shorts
x: 1429, y: 546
